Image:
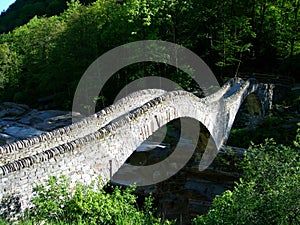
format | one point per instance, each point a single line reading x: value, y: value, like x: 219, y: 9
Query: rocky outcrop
x: 19, y: 121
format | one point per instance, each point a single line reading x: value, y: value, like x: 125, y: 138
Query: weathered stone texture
x: 26, y: 147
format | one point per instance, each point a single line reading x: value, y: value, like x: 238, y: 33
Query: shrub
x: 268, y: 193
x: 89, y: 204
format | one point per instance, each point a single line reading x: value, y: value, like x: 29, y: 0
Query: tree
x: 10, y: 64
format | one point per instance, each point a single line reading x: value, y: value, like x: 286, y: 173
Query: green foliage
x: 9, y: 65
x: 48, y: 55
x: 297, y: 141
x: 243, y: 137
x: 55, y: 203
x: 49, y: 204
x: 20, y: 12
x: 23, y: 10
x: 268, y: 193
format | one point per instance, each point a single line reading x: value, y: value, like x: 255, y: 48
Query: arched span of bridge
x: 99, y: 145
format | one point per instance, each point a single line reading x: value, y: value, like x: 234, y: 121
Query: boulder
x: 48, y: 120
x: 10, y: 109
x: 18, y: 121
x: 6, y: 139
x: 22, y: 132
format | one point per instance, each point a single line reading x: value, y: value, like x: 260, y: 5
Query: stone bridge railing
x: 100, y: 144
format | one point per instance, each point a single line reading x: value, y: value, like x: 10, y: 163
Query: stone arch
x: 169, y: 134
x: 157, y: 155
x: 103, y: 150
x: 250, y: 113
x: 254, y: 104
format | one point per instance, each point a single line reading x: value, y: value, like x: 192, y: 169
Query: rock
x: 36, y: 116
x: 6, y: 124
x: 245, y: 120
x: 148, y: 153
x: 6, y: 139
x: 197, y: 207
x: 206, y: 188
x: 22, y: 132
x: 148, y: 146
x: 48, y: 120
x: 9, y: 109
x: 18, y: 121
x: 55, y: 122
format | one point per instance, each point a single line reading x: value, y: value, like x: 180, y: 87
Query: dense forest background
x: 46, y: 45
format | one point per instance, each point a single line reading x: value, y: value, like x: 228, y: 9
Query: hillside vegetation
x: 48, y: 55
x: 22, y: 11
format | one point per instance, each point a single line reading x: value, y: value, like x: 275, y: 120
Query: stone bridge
x: 100, y: 144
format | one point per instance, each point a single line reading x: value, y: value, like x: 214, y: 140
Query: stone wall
x: 99, y: 145
x: 29, y: 146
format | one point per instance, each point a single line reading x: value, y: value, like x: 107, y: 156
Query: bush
x: 268, y: 193
x: 56, y: 204
x: 243, y: 137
